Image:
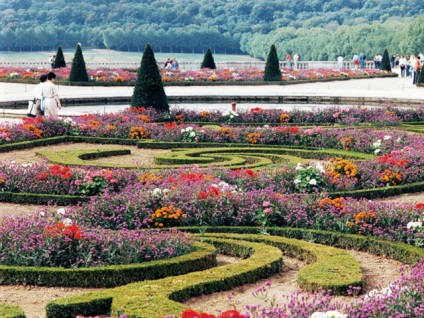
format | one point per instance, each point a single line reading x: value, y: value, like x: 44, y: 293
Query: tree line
x: 317, y: 29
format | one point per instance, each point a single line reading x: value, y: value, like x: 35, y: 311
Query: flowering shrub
x: 167, y: 216
x: 191, y: 135
x: 55, y: 240
x: 138, y: 133
x: 309, y: 179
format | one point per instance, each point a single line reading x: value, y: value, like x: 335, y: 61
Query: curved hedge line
x: 202, y: 258
x: 151, y: 299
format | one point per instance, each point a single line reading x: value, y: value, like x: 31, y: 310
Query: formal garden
x: 139, y: 205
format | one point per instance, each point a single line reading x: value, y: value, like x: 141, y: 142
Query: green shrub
x: 272, y: 67
x: 385, y: 62
x: 7, y: 311
x: 60, y: 59
x: 208, y: 61
x: 78, y: 69
x: 148, y: 90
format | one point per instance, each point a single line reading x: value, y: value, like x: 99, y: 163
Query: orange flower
x: 138, y: 133
x: 390, y: 177
x: 253, y: 138
x: 145, y: 118
x: 38, y: 133
x: 284, y: 118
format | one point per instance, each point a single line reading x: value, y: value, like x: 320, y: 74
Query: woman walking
x: 51, y: 96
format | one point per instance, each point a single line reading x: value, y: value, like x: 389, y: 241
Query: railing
x: 196, y: 65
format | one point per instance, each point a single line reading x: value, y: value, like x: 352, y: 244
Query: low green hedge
x: 329, y: 268
x: 152, y: 299
x: 7, y: 311
x: 80, y: 157
x: 203, y: 257
x: 41, y: 198
x: 404, y: 253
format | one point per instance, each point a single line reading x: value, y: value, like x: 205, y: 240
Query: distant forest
x: 316, y: 29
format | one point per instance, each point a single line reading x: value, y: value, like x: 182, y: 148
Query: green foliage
x: 78, y: 70
x: 272, y: 68
x: 7, y: 311
x: 208, y: 61
x: 308, y: 179
x: 148, y: 90
x: 60, y: 59
x: 385, y: 63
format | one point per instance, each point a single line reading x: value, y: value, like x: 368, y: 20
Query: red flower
x: 42, y: 176
x: 255, y: 110
x: 172, y: 125
x: 190, y: 313
x: 202, y: 195
x: 294, y: 130
x: 420, y: 206
x: 231, y: 314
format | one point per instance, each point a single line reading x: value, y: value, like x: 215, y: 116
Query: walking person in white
x: 38, y: 95
x: 51, y: 96
x: 296, y: 60
x: 340, y: 60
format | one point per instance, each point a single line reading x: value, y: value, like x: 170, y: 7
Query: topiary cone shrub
x: 208, y: 61
x: 385, y: 62
x: 148, y: 90
x: 272, y: 67
x: 78, y: 70
x: 60, y: 59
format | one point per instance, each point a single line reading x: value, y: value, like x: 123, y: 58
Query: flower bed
x: 129, y: 76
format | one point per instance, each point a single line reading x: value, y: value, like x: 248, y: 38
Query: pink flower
x: 266, y: 204
x: 268, y: 211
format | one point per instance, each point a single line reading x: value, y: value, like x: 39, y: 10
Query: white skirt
x: 50, y: 107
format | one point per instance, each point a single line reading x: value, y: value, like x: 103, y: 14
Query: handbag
x: 31, y: 111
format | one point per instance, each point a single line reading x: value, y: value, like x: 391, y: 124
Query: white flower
x: 189, y: 128
x: 157, y: 192
x: 387, y: 137
x: 192, y: 134
x: 313, y: 182
x: 42, y: 214
x: 328, y: 314
x: 266, y: 126
x: 296, y: 181
x: 231, y: 116
x: 399, y: 139
x: 320, y: 167
x: 378, y: 293
x: 67, y: 222
x: 377, y: 151
x: 299, y: 166
x: 183, y: 131
x: 166, y: 191
x: 414, y: 225
x: 26, y: 165
x: 61, y: 211
x: 377, y: 144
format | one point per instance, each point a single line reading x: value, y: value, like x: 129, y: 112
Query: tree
x: 78, y: 70
x: 208, y: 61
x: 385, y: 62
x: 60, y: 59
x: 148, y: 90
x: 272, y: 66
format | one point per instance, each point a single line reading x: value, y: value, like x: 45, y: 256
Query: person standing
x: 295, y: 60
x: 340, y: 60
x: 51, y: 96
x: 417, y: 69
x: 362, y: 58
x: 174, y: 64
x: 288, y: 60
x: 402, y: 64
x: 38, y: 94
x: 355, y: 61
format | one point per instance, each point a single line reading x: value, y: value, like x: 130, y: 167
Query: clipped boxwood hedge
x: 203, y: 257
x: 7, y: 311
x: 152, y: 299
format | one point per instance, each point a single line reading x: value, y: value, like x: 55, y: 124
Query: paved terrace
x: 382, y: 88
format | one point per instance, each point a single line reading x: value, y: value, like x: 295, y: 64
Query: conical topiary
x: 208, y: 61
x: 60, y: 59
x: 272, y: 67
x: 385, y: 62
x: 148, y: 90
x: 78, y: 70
x: 420, y: 79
